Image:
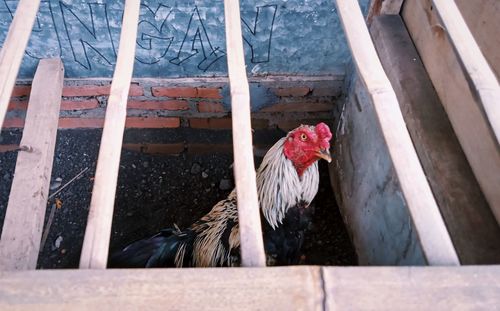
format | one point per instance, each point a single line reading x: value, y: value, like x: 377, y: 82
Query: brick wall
x: 203, y: 103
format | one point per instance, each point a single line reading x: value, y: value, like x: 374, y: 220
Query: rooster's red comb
x: 323, y: 131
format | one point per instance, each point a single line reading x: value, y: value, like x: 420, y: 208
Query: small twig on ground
x: 54, y: 207
x: 68, y: 183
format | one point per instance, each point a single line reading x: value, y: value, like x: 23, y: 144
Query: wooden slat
x: 13, y: 50
x: 482, y: 18
x: 22, y: 230
x: 283, y: 288
x: 472, y: 226
x: 413, y: 288
x: 467, y: 87
x: 252, y: 246
x: 97, y: 234
x: 286, y: 288
x: 432, y: 233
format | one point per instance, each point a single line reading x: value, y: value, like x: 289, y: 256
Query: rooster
x: 287, y: 182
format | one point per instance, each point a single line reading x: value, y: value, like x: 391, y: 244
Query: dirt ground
x: 154, y: 191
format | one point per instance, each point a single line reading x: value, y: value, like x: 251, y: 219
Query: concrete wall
x: 185, y: 38
x: 367, y: 188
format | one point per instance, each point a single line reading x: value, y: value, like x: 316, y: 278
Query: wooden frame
x: 434, y: 238
x: 13, y: 50
x: 279, y: 288
x: 276, y: 288
x: 252, y: 245
x: 467, y: 87
x: 469, y: 220
x: 20, y: 244
x: 97, y: 234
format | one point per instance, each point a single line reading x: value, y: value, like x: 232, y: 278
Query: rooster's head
x: 307, y: 144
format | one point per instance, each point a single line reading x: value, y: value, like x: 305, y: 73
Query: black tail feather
x: 156, y: 251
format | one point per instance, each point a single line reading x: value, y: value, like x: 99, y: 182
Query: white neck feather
x: 279, y: 186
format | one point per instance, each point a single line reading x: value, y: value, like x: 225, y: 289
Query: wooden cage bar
x: 251, y: 241
x: 434, y: 238
x: 13, y: 49
x: 97, y: 234
x: 23, y: 224
x: 466, y: 85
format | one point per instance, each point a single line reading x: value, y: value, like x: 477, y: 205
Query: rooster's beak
x: 324, y: 154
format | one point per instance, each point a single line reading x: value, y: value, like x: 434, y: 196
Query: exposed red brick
x: 215, y: 123
x: 291, y: 91
x: 158, y: 105
x: 79, y: 104
x: 210, y: 107
x: 98, y: 90
x: 65, y: 104
x: 136, y: 90
x: 7, y: 148
x: 13, y: 123
x: 174, y: 92
x: 298, y: 107
x: 223, y: 123
x: 186, y: 92
x: 18, y: 105
x: 327, y: 91
x: 156, y: 148
x: 209, y: 93
x: 209, y: 148
x: 70, y: 123
x: 21, y: 90
x: 137, y: 122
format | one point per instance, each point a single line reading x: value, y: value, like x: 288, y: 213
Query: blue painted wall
x: 185, y: 38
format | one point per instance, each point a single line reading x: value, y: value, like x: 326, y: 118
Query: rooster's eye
x: 303, y: 137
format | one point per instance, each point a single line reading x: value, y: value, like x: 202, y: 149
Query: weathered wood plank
x: 467, y: 87
x: 286, y: 288
x: 252, y: 245
x: 413, y: 288
x: 97, y: 234
x: 383, y: 7
x: 432, y: 233
x: 469, y: 220
x: 482, y: 18
x: 13, y: 48
x: 279, y: 288
x: 22, y: 230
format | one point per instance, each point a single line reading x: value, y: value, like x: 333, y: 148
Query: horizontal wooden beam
x: 97, y: 234
x: 252, y: 245
x: 13, y: 50
x: 291, y: 288
x: 466, y: 85
x: 434, y: 238
x: 277, y: 288
x: 22, y: 229
x: 412, y: 288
